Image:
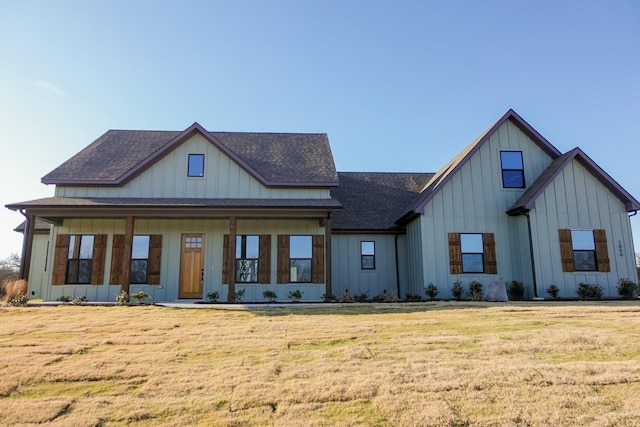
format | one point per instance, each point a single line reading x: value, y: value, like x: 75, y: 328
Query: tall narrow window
x: 79, y: 259
x: 300, y: 256
x: 247, y: 255
x: 472, y: 250
x: 139, y: 259
x: 584, y: 250
x: 512, y: 169
x: 195, y: 165
x: 367, y: 255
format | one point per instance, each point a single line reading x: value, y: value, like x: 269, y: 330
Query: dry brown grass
x: 12, y: 289
x: 451, y: 364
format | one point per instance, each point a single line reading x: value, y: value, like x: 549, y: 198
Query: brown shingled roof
x: 275, y: 159
x: 374, y: 200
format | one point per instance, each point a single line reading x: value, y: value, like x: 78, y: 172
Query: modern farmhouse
x: 183, y: 214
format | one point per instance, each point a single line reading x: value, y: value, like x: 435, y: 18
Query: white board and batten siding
x: 223, y: 178
x: 577, y: 200
x: 347, y: 270
x: 474, y: 201
x: 171, y: 231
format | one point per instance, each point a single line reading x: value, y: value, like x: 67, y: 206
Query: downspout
x: 395, y: 242
x: 533, y: 262
x: 634, y: 213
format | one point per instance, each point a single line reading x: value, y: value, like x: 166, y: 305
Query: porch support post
x: 27, y: 246
x: 126, y: 258
x: 231, y: 259
x: 327, y: 262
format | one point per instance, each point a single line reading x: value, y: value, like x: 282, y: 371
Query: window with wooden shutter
x: 489, y: 248
x: 566, y: 249
x: 283, y: 259
x: 602, y: 253
x: 455, y: 254
x: 146, y: 256
x: 317, y: 260
x: 79, y: 259
x: 264, y: 262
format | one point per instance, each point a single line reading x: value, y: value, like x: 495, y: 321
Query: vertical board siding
x: 168, y: 178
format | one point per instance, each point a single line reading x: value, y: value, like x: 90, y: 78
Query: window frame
x: 583, y: 251
x: 503, y: 169
x: 138, y: 260
x: 195, y: 174
x: 242, y: 248
x: 473, y: 253
x: 75, y: 259
x: 365, y: 256
x: 293, y: 260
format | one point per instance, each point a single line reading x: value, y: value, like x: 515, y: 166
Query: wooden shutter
x: 155, y: 256
x: 455, y: 253
x: 60, y: 259
x: 566, y: 250
x: 489, y: 249
x: 117, y: 253
x: 283, y: 259
x: 264, y: 259
x: 225, y: 259
x: 602, y: 253
x: 97, y: 263
x: 317, y: 260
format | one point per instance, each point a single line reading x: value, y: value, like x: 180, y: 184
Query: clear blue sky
x: 397, y: 85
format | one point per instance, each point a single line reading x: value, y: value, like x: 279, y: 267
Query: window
x: 139, y: 259
x: 196, y: 165
x: 367, y: 255
x: 584, y: 250
x: 472, y: 250
x: 512, y: 169
x: 247, y: 255
x: 300, y: 255
x: 79, y: 259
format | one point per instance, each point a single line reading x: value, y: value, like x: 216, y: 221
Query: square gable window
x: 512, y: 169
x: 195, y: 167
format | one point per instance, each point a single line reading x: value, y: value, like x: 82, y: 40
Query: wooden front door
x: 191, y: 266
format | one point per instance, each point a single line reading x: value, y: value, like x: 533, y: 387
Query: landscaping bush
x: 553, y: 291
x: 475, y: 291
x: 14, y: 289
x: 296, y: 295
x: 516, y: 290
x: 213, y: 296
x: 627, y: 289
x: 412, y: 298
x: 329, y: 297
x: 432, y: 291
x: 270, y: 295
x: 457, y: 290
x: 589, y: 291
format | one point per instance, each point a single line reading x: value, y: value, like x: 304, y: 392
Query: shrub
x: 384, y: 297
x: 457, y: 290
x: 627, y: 289
x: 475, y: 291
x: 79, y: 300
x: 432, y: 291
x: 13, y: 289
x: 270, y: 295
x: 589, y: 291
x: 295, y: 295
x: 65, y: 299
x: 122, y: 298
x: 361, y: 297
x: 346, y: 297
x: 412, y: 297
x: 19, y: 300
x: 139, y: 296
x: 553, y: 291
x: 213, y: 296
x: 329, y: 297
x: 516, y: 290
x: 237, y: 296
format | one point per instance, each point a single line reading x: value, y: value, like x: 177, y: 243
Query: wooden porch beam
x: 126, y: 257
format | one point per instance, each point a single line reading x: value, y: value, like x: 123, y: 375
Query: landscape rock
x: 497, y: 292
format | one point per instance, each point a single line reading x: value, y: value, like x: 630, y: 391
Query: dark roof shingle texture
x: 285, y: 158
x: 375, y: 200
